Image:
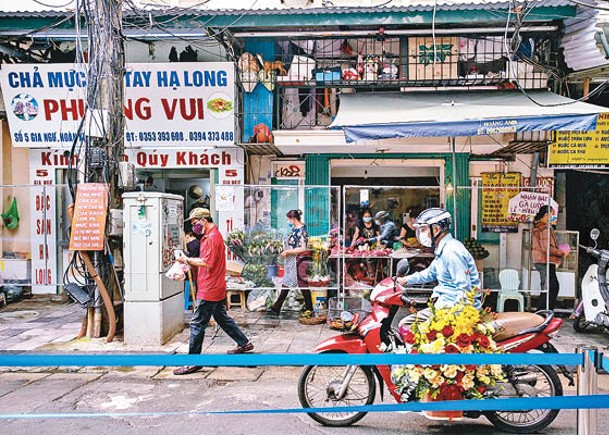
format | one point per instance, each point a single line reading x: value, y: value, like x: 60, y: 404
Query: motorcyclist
x: 453, y: 267
x: 389, y: 231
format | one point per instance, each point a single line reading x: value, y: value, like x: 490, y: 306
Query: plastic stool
x: 229, y: 299
x: 187, y: 299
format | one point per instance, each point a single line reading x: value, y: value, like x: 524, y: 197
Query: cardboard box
x: 421, y: 56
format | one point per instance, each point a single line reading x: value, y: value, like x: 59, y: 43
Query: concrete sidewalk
x: 47, y: 325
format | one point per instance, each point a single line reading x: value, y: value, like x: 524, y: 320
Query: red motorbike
x: 370, y: 325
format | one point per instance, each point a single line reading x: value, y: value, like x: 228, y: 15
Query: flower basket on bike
x: 345, y: 313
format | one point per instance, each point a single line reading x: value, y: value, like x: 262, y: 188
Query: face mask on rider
x: 424, y: 237
x: 198, y: 228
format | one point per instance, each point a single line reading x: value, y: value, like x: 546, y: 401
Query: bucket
x: 320, y: 298
x: 271, y: 271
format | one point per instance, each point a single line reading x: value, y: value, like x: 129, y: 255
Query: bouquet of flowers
x: 258, y: 247
x: 319, y: 274
x: 460, y: 328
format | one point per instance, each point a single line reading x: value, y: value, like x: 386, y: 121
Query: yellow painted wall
x: 15, y: 180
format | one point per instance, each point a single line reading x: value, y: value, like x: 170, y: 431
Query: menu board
x: 89, y: 220
x: 497, y: 190
x: 582, y: 148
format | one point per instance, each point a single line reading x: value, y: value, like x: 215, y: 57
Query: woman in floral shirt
x: 295, y: 245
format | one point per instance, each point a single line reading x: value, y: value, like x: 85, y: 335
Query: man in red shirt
x: 211, y: 289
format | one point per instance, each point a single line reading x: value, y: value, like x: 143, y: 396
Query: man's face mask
x: 198, y: 228
x: 424, y: 236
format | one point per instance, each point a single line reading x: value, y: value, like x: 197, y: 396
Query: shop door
x: 284, y: 200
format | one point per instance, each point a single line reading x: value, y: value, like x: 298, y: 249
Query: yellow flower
x: 449, y: 371
x: 468, y: 381
x: 437, y: 381
x: 414, y: 376
x: 496, y: 370
x: 482, y: 370
x: 438, y: 344
x: 484, y: 379
x: 430, y: 374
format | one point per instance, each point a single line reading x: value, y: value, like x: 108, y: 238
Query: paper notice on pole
x: 89, y: 220
x: 524, y: 206
x: 364, y: 197
x: 225, y: 198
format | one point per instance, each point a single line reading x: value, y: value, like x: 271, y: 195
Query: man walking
x: 211, y: 289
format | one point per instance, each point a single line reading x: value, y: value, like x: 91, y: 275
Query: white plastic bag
x: 177, y: 272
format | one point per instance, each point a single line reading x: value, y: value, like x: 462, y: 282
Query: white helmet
x: 429, y: 218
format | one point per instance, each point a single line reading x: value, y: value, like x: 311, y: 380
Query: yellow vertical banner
x: 497, y: 190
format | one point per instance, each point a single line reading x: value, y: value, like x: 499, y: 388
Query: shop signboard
x: 89, y: 219
x: 582, y: 148
x: 523, y: 207
x: 497, y: 190
x: 43, y: 228
x: 176, y: 105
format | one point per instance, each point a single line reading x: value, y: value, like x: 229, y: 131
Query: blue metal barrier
x: 252, y: 360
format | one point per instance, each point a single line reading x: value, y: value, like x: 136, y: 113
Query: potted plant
x: 460, y: 328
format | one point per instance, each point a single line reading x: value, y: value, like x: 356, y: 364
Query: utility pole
x: 104, y: 136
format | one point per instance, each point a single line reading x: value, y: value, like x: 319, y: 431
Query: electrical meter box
x: 152, y: 229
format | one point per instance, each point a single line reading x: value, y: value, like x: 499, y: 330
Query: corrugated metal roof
x: 582, y: 44
x: 29, y: 8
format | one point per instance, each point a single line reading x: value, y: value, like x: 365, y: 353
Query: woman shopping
x: 295, y: 247
x: 546, y: 253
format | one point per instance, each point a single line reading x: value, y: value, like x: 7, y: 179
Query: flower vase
x: 443, y: 415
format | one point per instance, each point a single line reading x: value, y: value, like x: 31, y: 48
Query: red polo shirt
x: 211, y: 282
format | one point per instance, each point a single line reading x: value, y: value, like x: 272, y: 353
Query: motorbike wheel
x: 545, y: 384
x: 580, y: 324
x: 317, y: 388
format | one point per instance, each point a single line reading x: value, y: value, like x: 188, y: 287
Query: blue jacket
x: 454, y: 269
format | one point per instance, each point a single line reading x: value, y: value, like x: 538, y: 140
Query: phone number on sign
x: 172, y: 136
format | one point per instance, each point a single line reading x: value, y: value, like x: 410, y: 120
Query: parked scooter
x: 368, y: 325
x: 592, y: 309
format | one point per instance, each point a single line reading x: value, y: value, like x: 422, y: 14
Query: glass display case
x: 566, y: 271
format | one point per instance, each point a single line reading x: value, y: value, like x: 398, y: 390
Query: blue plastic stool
x: 187, y: 299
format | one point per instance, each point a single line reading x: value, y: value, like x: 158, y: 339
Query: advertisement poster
x: 524, y: 206
x: 497, y: 190
x: 89, y: 219
x: 582, y: 148
x: 171, y: 105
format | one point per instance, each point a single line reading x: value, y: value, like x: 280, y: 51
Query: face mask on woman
x: 198, y: 229
x: 367, y: 219
x: 290, y: 224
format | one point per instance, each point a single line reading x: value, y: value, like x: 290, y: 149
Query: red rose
x: 459, y: 376
x: 481, y: 389
x: 451, y: 348
x: 470, y: 366
x: 414, y: 351
x: 447, y: 331
x: 464, y: 340
x: 408, y: 337
x: 483, y: 341
x: 431, y: 335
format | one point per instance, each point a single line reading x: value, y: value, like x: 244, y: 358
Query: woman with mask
x: 366, y: 230
x: 408, y: 234
x: 295, y: 245
x: 546, y: 253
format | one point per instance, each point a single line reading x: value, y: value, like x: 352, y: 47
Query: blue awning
x: 463, y: 113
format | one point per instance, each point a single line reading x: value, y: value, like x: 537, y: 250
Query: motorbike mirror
x: 594, y: 233
x: 402, y: 268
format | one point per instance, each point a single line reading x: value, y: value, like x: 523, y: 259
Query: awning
x: 461, y: 113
